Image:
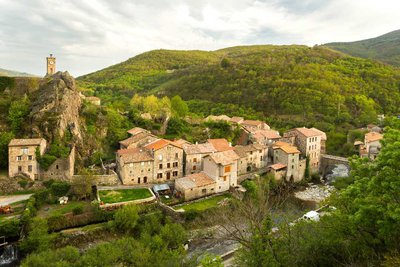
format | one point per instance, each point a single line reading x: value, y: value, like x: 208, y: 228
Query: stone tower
x: 51, y: 64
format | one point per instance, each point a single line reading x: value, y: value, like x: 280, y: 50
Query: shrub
x: 23, y: 183
x: 77, y: 210
x: 315, y: 178
x: 60, y: 189
x: 126, y: 218
x: 9, y: 228
x: 190, y: 215
x: 48, y: 183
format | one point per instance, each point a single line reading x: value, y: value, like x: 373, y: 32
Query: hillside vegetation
x: 385, y: 48
x: 296, y: 82
x: 12, y: 73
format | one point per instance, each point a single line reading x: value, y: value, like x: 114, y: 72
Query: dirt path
x: 6, y: 200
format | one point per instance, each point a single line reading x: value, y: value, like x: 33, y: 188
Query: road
x: 6, y: 200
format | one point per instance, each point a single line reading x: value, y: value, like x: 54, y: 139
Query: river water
x: 9, y: 256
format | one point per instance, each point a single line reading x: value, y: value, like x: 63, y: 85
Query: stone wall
x: 61, y: 169
x: 104, y: 179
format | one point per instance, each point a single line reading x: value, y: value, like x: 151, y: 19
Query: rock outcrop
x: 55, y: 109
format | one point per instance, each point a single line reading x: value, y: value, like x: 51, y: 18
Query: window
x: 159, y: 175
x: 20, y: 168
x: 19, y: 158
x: 176, y: 155
x: 160, y: 157
x: 142, y: 163
x: 160, y: 166
x: 30, y: 168
x: 24, y: 150
x: 251, y: 152
x: 30, y: 157
x: 292, y: 166
x: 224, y: 178
x: 175, y: 173
x: 204, y: 190
x: 195, y: 160
x: 57, y: 167
x: 227, y: 169
x: 175, y: 164
x: 194, y: 167
x: 168, y: 165
x: 292, y: 160
x: 261, y: 158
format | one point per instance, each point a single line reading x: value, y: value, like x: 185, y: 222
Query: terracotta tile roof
x: 138, y: 137
x: 277, y: 166
x: 204, y: 148
x: 195, y: 180
x: 251, y: 122
x: 307, y: 132
x: 137, y: 130
x: 26, y: 142
x: 286, y: 147
x: 220, y: 144
x: 135, y: 155
x: 160, y: 143
x: 225, y: 157
x: 181, y: 142
x: 323, y: 134
x: 372, y: 137
x: 237, y: 119
x: 269, y: 134
x: 243, y: 150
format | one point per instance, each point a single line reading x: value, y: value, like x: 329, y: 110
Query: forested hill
x: 385, y: 48
x: 313, y: 83
x: 12, y: 73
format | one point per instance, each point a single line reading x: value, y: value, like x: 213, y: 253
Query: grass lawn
x: 57, y: 209
x: 122, y: 195
x: 205, y: 204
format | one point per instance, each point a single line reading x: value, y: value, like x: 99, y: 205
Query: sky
x: 89, y: 35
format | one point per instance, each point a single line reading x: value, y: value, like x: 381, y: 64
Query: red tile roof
x: 220, y: 144
x: 160, y: 143
x: 137, y: 130
x: 372, y: 137
x: 277, y: 166
x: 308, y: 132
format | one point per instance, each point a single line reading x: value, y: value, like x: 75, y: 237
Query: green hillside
x: 312, y: 84
x: 12, y: 73
x: 385, y: 48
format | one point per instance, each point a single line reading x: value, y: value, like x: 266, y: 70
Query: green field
x: 205, y: 204
x: 49, y: 210
x: 122, y: 195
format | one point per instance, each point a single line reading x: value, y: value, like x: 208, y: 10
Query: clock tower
x: 51, y: 65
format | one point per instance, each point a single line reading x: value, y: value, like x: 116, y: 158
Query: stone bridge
x: 327, y: 162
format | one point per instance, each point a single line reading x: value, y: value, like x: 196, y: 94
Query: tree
x: 179, y: 107
x: 67, y: 256
x: 38, y: 237
x: 17, y: 113
x: 151, y: 105
x: 5, y: 138
x: 209, y: 260
x: 82, y: 184
x: 126, y: 218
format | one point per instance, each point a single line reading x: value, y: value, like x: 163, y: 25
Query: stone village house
x: 22, y: 161
x: 251, y: 157
x: 195, y: 185
x: 22, y: 157
x: 287, y: 157
x: 156, y: 162
x: 308, y: 141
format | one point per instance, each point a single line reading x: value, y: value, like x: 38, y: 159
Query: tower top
x: 51, y: 64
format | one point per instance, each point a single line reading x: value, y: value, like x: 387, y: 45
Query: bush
x: 60, y: 189
x: 9, y: 228
x: 126, y: 218
x: 23, y: 183
x: 48, y: 183
x: 315, y: 178
x: 190, y: 215
x: 77, y: 210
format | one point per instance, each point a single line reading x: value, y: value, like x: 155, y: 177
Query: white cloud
x: 89, y: 35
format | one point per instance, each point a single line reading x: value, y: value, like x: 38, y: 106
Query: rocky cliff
x: 55, y: 109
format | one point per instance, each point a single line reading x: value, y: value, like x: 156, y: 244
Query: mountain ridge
x: 385, y: 48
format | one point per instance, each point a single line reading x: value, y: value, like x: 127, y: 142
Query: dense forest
x: 385, y: 48
x: 296, y: 82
